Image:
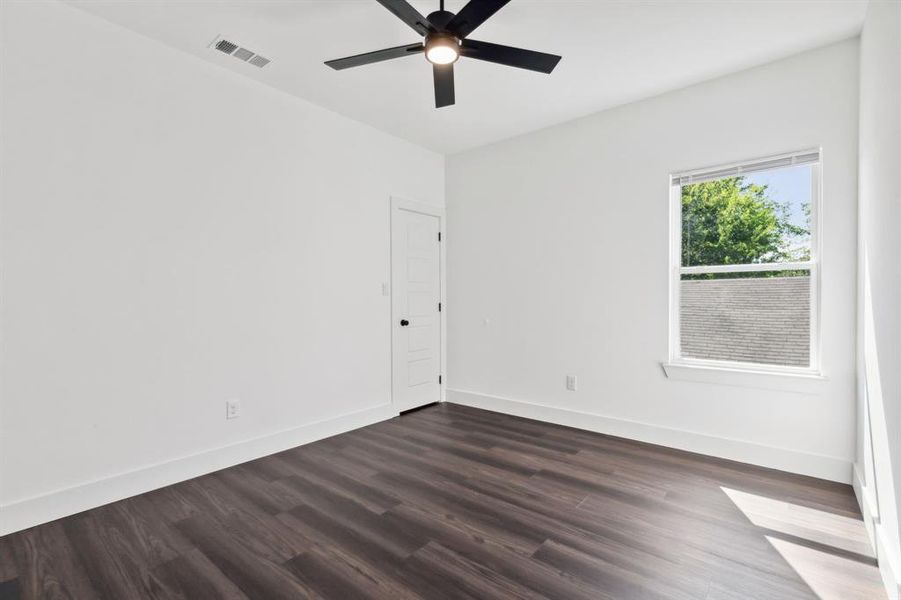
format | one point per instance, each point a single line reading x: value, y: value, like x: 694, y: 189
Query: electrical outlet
x: 571, y: 383
x: 232, y: 409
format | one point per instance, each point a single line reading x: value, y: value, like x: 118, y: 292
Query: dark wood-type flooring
x: 454, y: 502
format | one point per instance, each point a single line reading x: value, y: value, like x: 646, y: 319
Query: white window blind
x: 778, y: 162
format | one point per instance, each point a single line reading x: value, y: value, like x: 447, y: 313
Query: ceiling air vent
x: 226, y: 46
x: 232, y: 49
x: 242, y: 53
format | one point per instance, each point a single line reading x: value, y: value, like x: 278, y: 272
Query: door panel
x: 416, y: 292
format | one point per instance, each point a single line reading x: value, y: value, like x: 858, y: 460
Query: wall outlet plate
x: 571, y: 382
x: 232, y: 409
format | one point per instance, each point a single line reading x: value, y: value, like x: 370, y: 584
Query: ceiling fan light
x: 443, y: 50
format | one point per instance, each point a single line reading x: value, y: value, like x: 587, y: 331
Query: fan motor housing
x: 440, y: 18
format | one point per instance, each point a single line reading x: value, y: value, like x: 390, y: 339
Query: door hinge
x: 439, y: 236
x: 439, y: 380
x: 439, y: 307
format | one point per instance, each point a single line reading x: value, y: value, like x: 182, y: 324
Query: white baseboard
x: 889, y: 565
x: 867, y: 502
x: 54, y: 505
x: 889, y: 562
x: 823, y: 467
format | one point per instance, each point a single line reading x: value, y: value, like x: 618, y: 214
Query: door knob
x: 404, y: 322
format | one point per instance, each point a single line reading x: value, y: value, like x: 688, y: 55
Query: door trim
x: 397, y: 205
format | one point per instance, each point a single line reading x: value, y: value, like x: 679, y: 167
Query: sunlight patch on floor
x: 849, y: 573
x: 810, y: 524
x: 829, y: 576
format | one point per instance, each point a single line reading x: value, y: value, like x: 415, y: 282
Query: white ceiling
x: 613, y: 52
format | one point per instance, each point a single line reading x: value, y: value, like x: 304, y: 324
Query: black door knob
x: 404, y: 322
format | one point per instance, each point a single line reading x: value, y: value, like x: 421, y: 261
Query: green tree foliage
x: 731, y: 221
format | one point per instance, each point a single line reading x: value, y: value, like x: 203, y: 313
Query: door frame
x: 397, y: 205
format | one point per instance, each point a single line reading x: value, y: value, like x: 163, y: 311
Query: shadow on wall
x: 880, y: 482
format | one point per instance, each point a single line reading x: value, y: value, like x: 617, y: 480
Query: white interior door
x: 416, y: 294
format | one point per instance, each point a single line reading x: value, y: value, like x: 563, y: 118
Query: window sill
x: 810, y: 382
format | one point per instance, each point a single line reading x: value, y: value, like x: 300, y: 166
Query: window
x: 744, y: 265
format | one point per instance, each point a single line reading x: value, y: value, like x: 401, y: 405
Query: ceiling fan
x: 446, y: 40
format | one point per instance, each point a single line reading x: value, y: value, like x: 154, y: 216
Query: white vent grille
x: 233, y: 49
x: 243, y: 54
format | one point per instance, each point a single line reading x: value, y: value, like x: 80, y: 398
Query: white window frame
x: 813, y: 265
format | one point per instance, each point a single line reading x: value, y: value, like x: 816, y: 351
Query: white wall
x: 174, y: 235
x: 558, y: 263
x: 878, y: 481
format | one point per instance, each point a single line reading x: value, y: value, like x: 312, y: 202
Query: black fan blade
x: 374, y: 57
x: 444, y: 85
x: 510, y: 56
x: 409, y: 15
x: 472, y: 15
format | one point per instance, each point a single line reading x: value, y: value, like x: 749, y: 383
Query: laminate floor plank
x: 358, y: 551
x: 48, y: 565
x: 324, y: 472
x: 456, y: 575
x: 357, y: 517
x: 456, y: 502
x: 112, y: 559
x: 253, y: 574
x: 492, y: 440
x: 616, y: 581
x: 192, y: 576
x: 584, y: 532
x: 324, y: 573
x: 8, y: 570
x: 265, y: 536
x: 500, y: 559
x: 483, y: 518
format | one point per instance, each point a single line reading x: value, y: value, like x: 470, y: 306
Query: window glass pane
x: 758, y: 317
x: 762, y: 217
